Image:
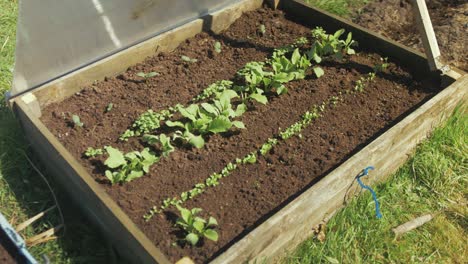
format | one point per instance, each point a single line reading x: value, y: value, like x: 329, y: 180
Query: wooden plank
x: 66, y: 86
x: 86, y: 192
x: 429, y: 40
x: 293, y: 224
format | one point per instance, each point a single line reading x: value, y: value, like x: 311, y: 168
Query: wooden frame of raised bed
x: 293, y: 223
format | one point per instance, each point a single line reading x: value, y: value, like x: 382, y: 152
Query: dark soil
x: 7, y: 251
x: 250, y: 194
x: 395, y: 19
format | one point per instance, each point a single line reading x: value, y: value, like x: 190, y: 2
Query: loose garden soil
x: 7, y: 253
x: 394, y: 19
x: 253, y: 192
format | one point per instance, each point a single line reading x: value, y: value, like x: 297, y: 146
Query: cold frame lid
x: 57, y: 37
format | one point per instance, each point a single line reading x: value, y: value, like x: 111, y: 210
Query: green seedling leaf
x: 77, y: 121
x: 151, y: 74
x: 109, y: 107
x: 192, y: 239
x: 262, y: 29
x: 189, y: 112
x: 141, y: 74
x: 212, y: 222
x: 186, y: 214
x: 188, y: 59
x: 211, y: 234
x: 219, y: 124
x: 115, y: 159
x: 238, y: 124
x: 259, y: 98
x: 92, y: 152
x: 210, y: 108
x: 318, y: 72
x: 199, y: 225
x: 240, y: 110
x: 170, y: 123
x: 197, y: 141
x: 217, y: 47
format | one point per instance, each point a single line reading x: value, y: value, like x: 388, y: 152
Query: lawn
x: 433, y: 181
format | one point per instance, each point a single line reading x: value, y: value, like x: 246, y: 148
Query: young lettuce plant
x: 195, y: 227
x: 127, y: 167
x: 215, y: 118
x: 255, y: 78
x: 286, y: 70
x: 329, y: 45
x: 163, y: 140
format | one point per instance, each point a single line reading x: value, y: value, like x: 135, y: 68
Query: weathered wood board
x: 292, y: 224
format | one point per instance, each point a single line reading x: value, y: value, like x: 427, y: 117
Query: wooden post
x: 273, y: 3
x: 423, y: 22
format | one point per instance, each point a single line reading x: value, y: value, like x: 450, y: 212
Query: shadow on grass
x: 23, y: 194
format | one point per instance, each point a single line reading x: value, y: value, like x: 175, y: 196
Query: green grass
x: 22, y: 192
x: 343, y: 8
x: 433, y: 181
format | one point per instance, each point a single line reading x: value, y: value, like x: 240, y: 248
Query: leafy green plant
x: 109, y: 107
x: 286, y: 70
x: 215, y: 118
x: 188, y: 59
x: 249, y: 159
x: 363, y: 81
x: 255, y: 78
x: 147, y: 75
x: 147, y: 122
x: 213, y: 89
x: 129, y: 166
x: 382, y: 66
x: 217, y: 47
x: 163, y: 140
x: 92, y: 152
x: 267, y: 146
x: 77, y: 121
x: 196, y: 227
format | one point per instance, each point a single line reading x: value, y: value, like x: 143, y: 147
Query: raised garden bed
x: 262, y: 183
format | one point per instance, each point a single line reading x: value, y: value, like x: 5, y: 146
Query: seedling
x: 127, y: 167
x: 195, y: 227
x: 147, y: 75
x: 188, y: 59
x: 381, y: 67
x: 215, y: 118
x: 92, y: 152
x: 262, y: 29
x: 163, y: 140
x: 217, y: 47
x: 213, y: 89
x: 109, y: 107
x: 77, y: 121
